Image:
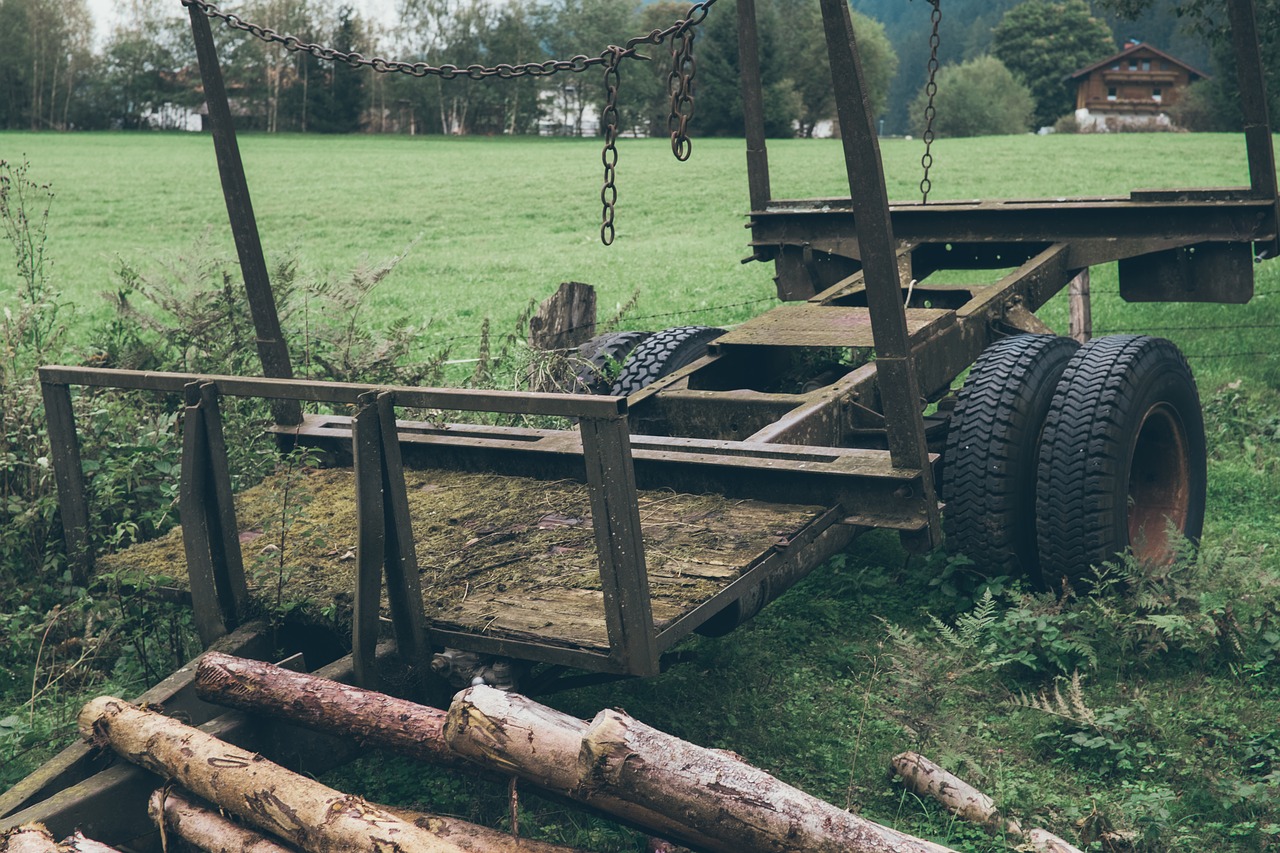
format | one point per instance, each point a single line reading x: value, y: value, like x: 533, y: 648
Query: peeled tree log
x: 749, y: 809
x: 546, y: 757
x: 318, y: 703
x: 623, y: 766
x: 300, y: 810
x: 180, y: 815
x: 177, y: 815
x: 965, y: 801
x: 28, y: 838
x: 958, y: 796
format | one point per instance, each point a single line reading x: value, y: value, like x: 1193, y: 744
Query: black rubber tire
x: 993, y: 449
x: 663, y: 353
x: 597, y: 355
x: 1123, y: 457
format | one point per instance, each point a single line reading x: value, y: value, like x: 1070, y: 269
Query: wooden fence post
x: 1081, y: 307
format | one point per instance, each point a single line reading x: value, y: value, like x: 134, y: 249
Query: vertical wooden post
x: 1081, y: 308
x: 753, y: 104
x: 366, y: 439
x: 272, y: 349
x: 73, y: 505
x: 895, y: 366
x: 1253, y: 105
x: 404, y: 591
x: 193, y: 508
x: 611, y: 483
x: 224, y: 531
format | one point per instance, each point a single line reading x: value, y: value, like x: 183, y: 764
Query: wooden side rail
x: 386, y: 539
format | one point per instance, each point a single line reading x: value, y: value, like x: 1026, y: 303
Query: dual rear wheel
x: 1062, y: 457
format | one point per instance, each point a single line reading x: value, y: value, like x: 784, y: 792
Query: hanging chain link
x: 609, y: 156
x: 680, y: 85
x: 680, y: 82
x: 930, y: 89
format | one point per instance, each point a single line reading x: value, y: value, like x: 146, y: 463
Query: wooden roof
x: 1136, y: 47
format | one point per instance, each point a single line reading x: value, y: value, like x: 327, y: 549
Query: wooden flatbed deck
x: 504, y: 557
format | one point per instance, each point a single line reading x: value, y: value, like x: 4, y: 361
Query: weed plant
x: 1143, y: 702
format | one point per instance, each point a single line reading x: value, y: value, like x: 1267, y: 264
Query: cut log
x: 292, y: 807
x: 177, y: 815
x: 515, y: 735
x: 317, y: 703
x: 963, y: 800
x: 77, y: 843
x: 745, y: 807
x: 476, y: 838
x: 1044, y: 841
x: 209, y: 830
x: 28, y: 838
x: 958, y: 796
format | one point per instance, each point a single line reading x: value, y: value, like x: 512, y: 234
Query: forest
x: 141, y: 73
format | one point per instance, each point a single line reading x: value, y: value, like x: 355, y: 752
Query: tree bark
x: 292, y: 807
x: 746, y: 808
x: 317, y: 703
x: 28, y: 838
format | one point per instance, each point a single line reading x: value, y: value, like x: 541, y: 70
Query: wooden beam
x: 73, y: 505
x: 615, y: 518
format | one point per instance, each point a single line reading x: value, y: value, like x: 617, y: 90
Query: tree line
x: 1003, y: 64
x: 145, y: 75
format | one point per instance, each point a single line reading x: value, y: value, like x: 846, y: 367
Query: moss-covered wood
x: 507, y: 556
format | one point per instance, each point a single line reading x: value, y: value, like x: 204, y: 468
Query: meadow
x: 1147, y: 702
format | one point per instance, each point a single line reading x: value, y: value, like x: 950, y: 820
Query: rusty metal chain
x: 609, y: 156
x: 611, y: 58
x: 930, y: 89
x: 504, y: 71
x: 680, y: 85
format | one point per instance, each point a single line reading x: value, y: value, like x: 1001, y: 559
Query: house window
x: 1157, y: 95
x: 1146, y: 65
x: 1133, y: 65
x: 1115, y: 67
x: 1111, y: 93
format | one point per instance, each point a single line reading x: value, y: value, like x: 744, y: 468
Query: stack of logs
x: 707, y: 799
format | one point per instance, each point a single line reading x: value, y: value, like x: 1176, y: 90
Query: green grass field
x: 495, y: 223
x: 1176, y: 736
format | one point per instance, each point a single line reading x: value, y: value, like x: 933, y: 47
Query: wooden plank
x: 193, y: 508
x: 812, y: 324
x: 371, y: 541
x: 404, y: 592
x: 611, y: 482
x: 462, y: 399
x: 273, y: 351
x: 224, y: 539
x: 1080, y: 307
x: 73, y: 505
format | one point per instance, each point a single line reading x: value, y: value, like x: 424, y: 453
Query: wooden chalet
x: 1133, y: 88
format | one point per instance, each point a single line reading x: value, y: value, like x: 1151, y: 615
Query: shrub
x: 976, y: 98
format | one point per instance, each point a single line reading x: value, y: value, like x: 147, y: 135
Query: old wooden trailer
x: 721, y: 468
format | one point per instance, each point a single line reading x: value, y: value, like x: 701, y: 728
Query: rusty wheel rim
x: 1159, y: 485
